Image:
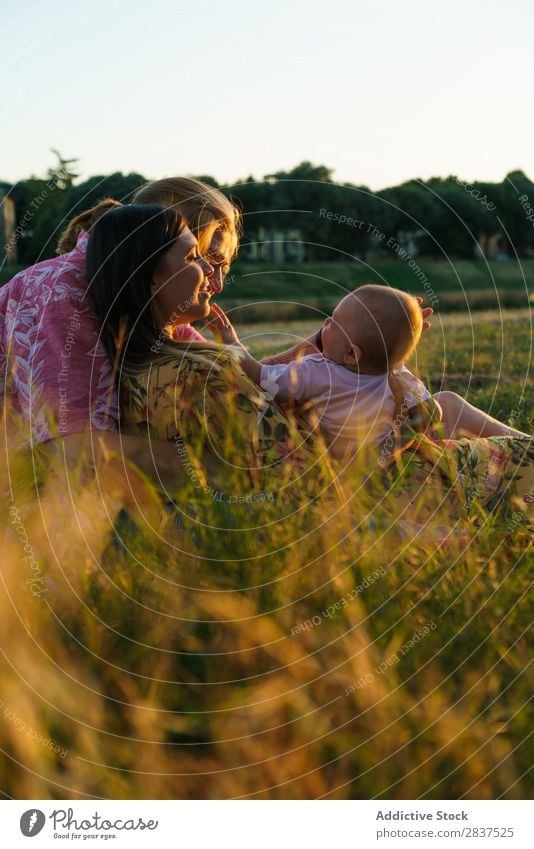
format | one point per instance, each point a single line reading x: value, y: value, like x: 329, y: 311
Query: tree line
x: 438, y: 217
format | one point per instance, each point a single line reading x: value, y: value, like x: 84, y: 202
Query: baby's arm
x: 284, y: 382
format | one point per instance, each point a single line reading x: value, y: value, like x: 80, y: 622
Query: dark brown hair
x: 125, y: 246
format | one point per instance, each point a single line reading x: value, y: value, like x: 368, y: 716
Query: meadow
x: 324, y: 652
x: 458, y: 284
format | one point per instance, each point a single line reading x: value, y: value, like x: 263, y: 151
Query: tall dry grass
x: 306, y: 647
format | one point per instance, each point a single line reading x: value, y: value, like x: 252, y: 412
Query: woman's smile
x: 182, y: 282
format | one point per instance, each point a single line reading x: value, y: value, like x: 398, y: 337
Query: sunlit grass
x: 302, y: 648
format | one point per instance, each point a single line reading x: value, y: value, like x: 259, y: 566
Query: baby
x: 349, y: 386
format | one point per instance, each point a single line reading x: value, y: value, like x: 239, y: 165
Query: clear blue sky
x: 380, y: 91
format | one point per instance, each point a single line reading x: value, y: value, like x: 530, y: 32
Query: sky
x: 381, y: 91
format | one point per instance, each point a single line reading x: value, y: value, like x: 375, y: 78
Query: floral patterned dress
x: 204, y: 402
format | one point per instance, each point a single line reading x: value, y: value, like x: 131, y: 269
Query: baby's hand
x: 427, y: 312
x: 221, y: 326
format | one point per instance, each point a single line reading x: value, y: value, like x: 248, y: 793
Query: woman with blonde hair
x: 212, y: 217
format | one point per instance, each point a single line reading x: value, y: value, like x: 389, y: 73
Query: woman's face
x: 182, y: 289
x: 217, y: 256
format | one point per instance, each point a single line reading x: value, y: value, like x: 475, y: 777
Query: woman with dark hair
x: 47, y: 326
x: 146, y: 275
x: 144, y: 266
x: 58, y: 395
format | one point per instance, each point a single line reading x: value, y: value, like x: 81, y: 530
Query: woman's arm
x: 79, y: 483
x: 425, y: 415
x: 419, y: 417
x: 311, y: 345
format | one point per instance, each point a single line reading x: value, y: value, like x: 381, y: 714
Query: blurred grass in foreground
x: 271, y: 649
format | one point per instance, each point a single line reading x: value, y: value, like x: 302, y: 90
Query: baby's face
x: 339, y: 332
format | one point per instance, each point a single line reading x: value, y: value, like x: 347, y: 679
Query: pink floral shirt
x: 55, y: 374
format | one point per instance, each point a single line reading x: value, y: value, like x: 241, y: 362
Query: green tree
x: 514, y: 197
x: 49, y: 220
x: 118, y: 186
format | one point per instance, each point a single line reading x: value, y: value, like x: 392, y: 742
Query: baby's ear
x: 353, y: 356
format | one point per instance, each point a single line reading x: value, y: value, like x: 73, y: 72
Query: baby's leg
x: 460, y: 418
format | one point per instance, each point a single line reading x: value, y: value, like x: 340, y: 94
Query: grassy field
x: 322, y: 653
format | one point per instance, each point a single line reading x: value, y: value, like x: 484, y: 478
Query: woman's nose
x: 216, y: 281
x: 206, y: 267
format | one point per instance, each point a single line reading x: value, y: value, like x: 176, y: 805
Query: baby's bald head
x: 384, y: 323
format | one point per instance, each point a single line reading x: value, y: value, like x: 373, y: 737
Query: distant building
x: 8, y: 241
x: 273, y: 245
x: 493, y: 246
x: 405, y: 242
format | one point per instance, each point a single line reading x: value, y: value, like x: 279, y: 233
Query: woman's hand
x: 221, y: 326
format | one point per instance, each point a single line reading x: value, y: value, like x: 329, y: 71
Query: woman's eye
x: 223, y: 266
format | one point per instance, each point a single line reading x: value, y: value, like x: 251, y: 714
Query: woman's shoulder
x: 56, y: 279
x: 183, y: 373
x: 198, y: 389
x: 196, y: 362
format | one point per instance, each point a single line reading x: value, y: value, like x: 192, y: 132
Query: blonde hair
x: 206, y: 209
x: 389, y: 325
x: 83, y: 221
